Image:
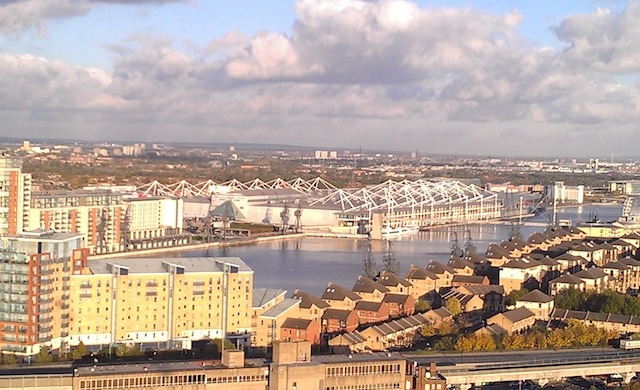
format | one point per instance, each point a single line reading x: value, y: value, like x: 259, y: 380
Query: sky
x: 500, y: 77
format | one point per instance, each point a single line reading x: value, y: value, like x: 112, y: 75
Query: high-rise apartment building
x: 35, y: 270
x: 15, y: 195
x: 110, y: 221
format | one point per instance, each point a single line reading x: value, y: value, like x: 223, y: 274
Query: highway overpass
x: 540, y: 366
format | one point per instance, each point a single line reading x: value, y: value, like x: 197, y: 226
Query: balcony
x: 152, y: 284
x: 85, y: 295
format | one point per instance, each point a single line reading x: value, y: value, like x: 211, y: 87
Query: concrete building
x: 161, y: 301
x: 560, y: 193
x: 292, y: 368
x: 15, y: 196
x: 35, y: 290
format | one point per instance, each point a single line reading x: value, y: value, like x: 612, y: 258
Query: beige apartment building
x: 166, y: 302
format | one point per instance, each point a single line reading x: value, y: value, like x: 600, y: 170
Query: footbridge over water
x: 542, y: 370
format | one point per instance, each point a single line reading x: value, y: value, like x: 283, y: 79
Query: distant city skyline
x: 458, y: 77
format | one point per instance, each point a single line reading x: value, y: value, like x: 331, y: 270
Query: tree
x: 515, y: 295
x: 572, y: 298
x: 453, y: 305
x: 422, y: 306
x: 79, y: 351
x: 447, y: 343
x: 44, y: 355
x: 428, y: 331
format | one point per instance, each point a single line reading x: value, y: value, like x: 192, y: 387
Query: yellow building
x: 161, y: 302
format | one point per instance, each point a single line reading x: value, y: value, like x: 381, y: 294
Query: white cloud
x: 17, y: 16
x: 384, y: 74
x: 604, y: 40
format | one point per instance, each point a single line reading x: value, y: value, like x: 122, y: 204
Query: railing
x: 619, y: 357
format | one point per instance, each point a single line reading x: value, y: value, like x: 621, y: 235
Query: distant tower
x: 369, y: 267
x: 389, y: 261
x: 284, y: 217
x: 298, y: 215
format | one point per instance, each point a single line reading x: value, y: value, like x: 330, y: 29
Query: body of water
x: 310, y: 263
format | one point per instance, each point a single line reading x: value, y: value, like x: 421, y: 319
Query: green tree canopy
x: 453, y: 305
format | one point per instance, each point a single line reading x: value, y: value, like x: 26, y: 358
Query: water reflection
x: 310, y: 263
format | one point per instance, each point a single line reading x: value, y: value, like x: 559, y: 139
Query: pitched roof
x: 441, y: 312
x: 459, y: 263
x: 630, y: 261
x: 522, y: 263
x: 567, y: 279
x: 419, y: 273
x: 296, y: 323
x: 366, y: 285
x: 616, y: 265
x: 280, y: 308
x: 480, y: 289
x: 346, y: 339
x: 389, y: 279
x: 518, y: 314
x: 262, y: 296
x: 590, y: 273
x: 495, y: 251
x: 395, y: 298
x: 309, y: 300
x: 471, y: 279
x: 535, y: 296
x: 438, y: 268
x: 336, y: 292
x: 336, y: 314
x: 368, y: 305
x: 227, y: 209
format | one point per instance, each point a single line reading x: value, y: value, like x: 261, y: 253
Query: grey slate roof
x: 280, y: 308
x: 336, y: 292
x: 336, y: 314
x: 567, y: 279
x: 389, y: 279
x: 366, y: 285
x: 395, y: 298
x: 296, y: 323
x: 368, y: 305
x: 472, y: 279
x: 590, y: 273
x: 438, y: 268
x: 261, y: 296
x: 309, y: 300
x: 535, y: 296
x: 518, y: 314
x: 420, y: 273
